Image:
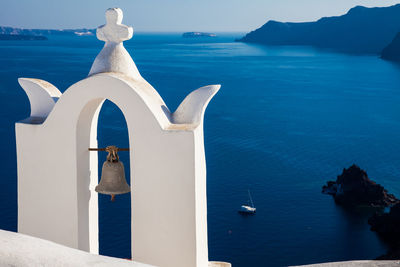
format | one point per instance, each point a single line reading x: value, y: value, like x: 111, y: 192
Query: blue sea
x: 286, y: 120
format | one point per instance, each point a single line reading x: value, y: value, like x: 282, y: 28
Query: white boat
x: 249, y: 209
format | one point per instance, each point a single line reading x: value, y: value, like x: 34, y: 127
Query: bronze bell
x: 113, y: 180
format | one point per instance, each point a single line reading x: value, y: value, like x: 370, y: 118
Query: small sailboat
x: 248, y: 209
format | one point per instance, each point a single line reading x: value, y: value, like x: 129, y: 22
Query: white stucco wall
x: 57, y: 174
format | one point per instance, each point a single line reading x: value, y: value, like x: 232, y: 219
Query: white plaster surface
x: 20, y: 250
x: 365, y: 263
x: 57, y: 174
x: 219, y: 264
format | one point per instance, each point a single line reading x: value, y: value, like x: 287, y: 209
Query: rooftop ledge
x: 219, y: 264
x: 21, y: 250
x: 367, y: 263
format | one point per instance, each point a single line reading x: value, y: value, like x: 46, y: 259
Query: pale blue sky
x: 173, y: 15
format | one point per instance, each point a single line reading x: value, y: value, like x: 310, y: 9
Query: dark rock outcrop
x: 354, y: 188
x: 387, y: 225
x: 361, y: 30
x: 392, y: 254
x: 392, y: 51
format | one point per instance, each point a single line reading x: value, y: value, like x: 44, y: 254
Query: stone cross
x: 113, y: 30
x: 114, y: 57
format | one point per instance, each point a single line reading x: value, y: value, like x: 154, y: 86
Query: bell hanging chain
x: 112, y: 152
x: 105, y: 149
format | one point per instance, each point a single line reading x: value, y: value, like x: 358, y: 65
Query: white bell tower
x: 57, y: 174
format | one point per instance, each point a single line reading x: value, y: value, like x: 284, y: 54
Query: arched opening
x: 104, y: 227
x: 114, y: 217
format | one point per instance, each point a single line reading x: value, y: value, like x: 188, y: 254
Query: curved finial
x: 114, y: 57
x: 192, y: 108
x: 42, y: 96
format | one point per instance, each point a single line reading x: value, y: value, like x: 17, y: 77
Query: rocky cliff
x: 361, y: 30
x: 392, y: 51
x: 387, y: 225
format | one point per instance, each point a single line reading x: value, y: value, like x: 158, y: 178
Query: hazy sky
x: 173, y: 15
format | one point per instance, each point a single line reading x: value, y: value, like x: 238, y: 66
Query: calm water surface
x: 285, y: 121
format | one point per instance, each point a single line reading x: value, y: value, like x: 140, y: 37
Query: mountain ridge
x: 360, y: 30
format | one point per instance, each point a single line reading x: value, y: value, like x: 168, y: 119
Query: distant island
x: 198, y: 34
x: 16, y: 37
x: 392, y: 51
x: 361, y: 30
x: 10, y: 33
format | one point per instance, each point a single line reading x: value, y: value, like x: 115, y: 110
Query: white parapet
x: 20, y: 250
